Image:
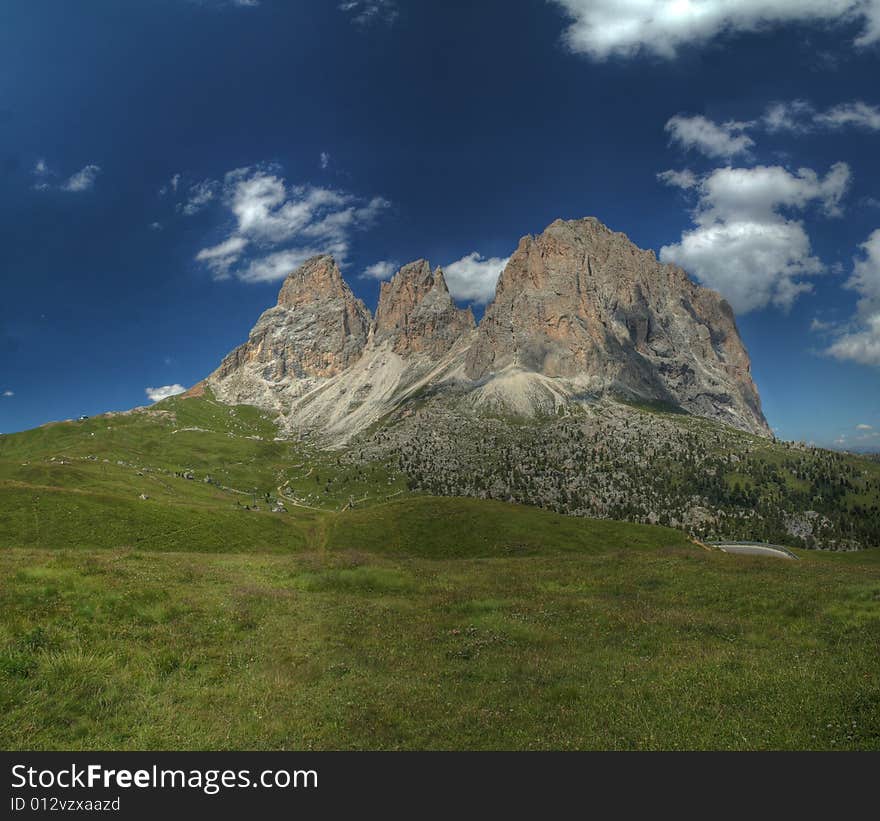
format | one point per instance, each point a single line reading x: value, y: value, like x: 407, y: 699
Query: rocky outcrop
x: 583, y: 305
x: 317, y: 329
x: 579, y: 312
x: 416, y: 314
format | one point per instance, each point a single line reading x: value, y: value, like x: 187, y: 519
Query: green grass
x: 664, y: 648
x: 186, y: 621
x: 443, y: 528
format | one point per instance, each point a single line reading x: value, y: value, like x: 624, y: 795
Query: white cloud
x: 743, y: 244
x: 280, y: 226
x: 866, y: 274
x: 794, y: 115
x: 473, y: 277
x: 199, y: 195
x: 83, y: 180
x: 857, y: 114
x: 170, y: 186
x: 223, y: 256
x: 730, y: 193
x: 325, y: 159
x: 611, y: 28
x: 155, y: 226
x: 8, y: 394
x: 799, y: 117
x: 860, y: 341
x: 365, y: 12
x: 384, y: 269
x: 701, y: 134
x: 158, y: 394
x: 820, y: 325
x: 862, y: 345
x: 229, y: 247
x: 864, y: 427
x: 685, y: 178
x: 273, y: 267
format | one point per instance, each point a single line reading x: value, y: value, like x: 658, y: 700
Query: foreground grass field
x: 198, y: 618
x: 587, y: 644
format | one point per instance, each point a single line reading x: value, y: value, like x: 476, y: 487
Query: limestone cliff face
x: 579, y: 312
x: 416, y: 314
x: 317, y: 329
x: 582, y: 304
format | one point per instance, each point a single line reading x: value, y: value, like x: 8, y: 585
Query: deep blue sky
x: 474, y: 121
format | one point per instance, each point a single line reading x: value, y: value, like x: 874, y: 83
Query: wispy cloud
x: 82, y: 180
x: 243, y: 4
x: 276, y: 226
x: 198, y: 196
x: 170, y: 187
x: 733, y: 139
x: 685, y: 178
x: 722, y: 141
x: 365, y: 12
x: 324, y: 159
x: 799, y: 117
x: 8, y: 394
x: 46, y: 179
x: 820, y: 326
x: 158, y: 394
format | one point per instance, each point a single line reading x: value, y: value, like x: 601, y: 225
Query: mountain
x: 584, y: 311
x: 580, y: 313
x: 317, y: 330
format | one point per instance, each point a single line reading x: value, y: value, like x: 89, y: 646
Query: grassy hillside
x: 211, y: 476
x: 444, y: 528
x: 641, y: 464
x: 204, y: 616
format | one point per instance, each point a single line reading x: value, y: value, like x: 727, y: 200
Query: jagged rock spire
x: 416, y: 313
x: 317, y: 329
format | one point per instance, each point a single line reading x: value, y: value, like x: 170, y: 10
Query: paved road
x: 776, y: 551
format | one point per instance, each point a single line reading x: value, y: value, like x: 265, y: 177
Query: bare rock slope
x: 579, y: 312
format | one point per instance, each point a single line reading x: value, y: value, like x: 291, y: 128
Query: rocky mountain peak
x: 579, y: 312
x: 416, y: 313
x: 317, y: 329
x: 583, y: 303
x: 317, y: 279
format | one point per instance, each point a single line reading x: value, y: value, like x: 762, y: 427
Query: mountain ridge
x: 579, y: 312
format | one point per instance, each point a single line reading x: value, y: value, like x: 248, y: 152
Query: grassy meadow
x: 190, y: 620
